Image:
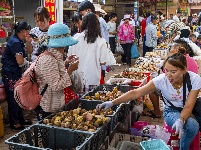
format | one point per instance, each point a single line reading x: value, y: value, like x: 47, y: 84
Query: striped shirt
x: 175, y: 28
x: 34, y: 44
x: 51, y: 70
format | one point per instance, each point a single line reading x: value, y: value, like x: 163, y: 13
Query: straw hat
x: 58, y: 35
x: 98, y: 8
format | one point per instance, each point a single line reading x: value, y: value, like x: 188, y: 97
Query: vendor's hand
x: 104, y: 105
x: 178, y: 126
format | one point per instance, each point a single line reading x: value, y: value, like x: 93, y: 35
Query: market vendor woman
x: 170, y: 84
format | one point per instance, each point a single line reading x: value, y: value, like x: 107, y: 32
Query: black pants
x: 14, y: 110
x: 112, y: 43
x: 126, y: 57
x: 149, y: 49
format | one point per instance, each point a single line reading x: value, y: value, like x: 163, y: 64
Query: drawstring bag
x: 134, y: 51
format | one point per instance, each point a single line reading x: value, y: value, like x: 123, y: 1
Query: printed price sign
x: 50, y: 5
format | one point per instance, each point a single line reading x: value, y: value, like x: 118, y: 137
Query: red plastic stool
x: 195, y: 145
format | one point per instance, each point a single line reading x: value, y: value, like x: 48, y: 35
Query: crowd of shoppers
x: 87, y: 53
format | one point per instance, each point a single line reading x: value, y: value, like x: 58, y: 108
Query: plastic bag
x: 134, y: 51
x: 77, y: 82
x: 119, y: 49
x: 111, y: 60
x: 69, y: 95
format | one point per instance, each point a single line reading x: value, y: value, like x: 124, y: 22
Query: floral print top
x: 125, y: 33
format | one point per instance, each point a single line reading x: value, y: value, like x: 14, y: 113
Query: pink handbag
x: 2, y: 93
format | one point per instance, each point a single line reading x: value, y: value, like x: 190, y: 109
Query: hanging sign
x: 50, y: 5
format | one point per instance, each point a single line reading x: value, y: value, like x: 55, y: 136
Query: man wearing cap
x: 151, y: 34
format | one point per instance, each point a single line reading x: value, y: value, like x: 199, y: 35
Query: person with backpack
x: 179, y: 100
x: 13, y: 62
x: 50, y: 69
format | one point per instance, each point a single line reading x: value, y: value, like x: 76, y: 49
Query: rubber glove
x: 178, y: 126
x: 104, y: 105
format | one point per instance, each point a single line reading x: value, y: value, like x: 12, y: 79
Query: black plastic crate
x: 124, y: 109
x: 101, y: 132
x: 40, y: 137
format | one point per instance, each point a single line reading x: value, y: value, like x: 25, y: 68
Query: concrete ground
x: 31, y: 114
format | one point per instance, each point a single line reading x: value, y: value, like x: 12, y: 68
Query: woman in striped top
x: 50, y: 69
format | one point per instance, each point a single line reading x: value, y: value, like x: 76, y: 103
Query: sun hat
x: 98, y: 8
x: 58, y: 35
x: 127, y: 17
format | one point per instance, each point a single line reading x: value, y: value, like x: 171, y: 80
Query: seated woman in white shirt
x: 170, y: 84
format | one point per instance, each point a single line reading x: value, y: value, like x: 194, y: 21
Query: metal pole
x: 166, y: 9
x: 155, y: 5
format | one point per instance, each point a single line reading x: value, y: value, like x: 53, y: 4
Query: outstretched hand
x: 104, y: 105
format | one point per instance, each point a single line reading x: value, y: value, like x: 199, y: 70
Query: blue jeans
x: 191, y: 127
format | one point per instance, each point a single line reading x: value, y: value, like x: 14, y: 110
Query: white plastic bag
x: 112, y: 60
x: 119, y: 49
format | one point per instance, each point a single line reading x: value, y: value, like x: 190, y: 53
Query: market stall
x: 79, y: 125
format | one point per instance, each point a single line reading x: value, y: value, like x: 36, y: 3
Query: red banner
x: 50, y: 5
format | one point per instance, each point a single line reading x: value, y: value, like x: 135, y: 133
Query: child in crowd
x: 198, y: 42
x: 193, y: 38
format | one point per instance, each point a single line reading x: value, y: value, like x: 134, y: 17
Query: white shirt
x: 35, y: 46
x: 163, y: 84
x: 111, y: 27
x: 90, y: 56
x: 176, y: 19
